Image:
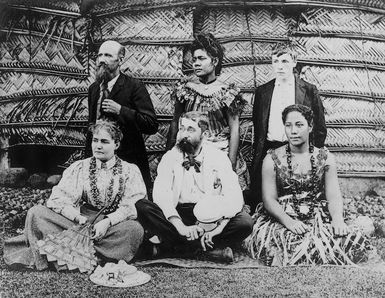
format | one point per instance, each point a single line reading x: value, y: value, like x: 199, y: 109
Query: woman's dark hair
x: 207, y: 42
x: 305, y: 111
x: 110, y: 126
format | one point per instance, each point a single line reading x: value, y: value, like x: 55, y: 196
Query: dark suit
x: 305, y: 94
x: 137, y: 116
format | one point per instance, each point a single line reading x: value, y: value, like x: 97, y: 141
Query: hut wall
x: 47, y: 58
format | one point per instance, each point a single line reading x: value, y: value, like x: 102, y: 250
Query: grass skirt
x: 275, y: 245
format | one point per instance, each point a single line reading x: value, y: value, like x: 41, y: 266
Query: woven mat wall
x: 47, y: 62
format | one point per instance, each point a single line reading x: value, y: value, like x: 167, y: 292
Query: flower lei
x: 295, y: 191
x: 96, y: 197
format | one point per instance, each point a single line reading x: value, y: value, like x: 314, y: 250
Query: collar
x: 111, y: 83
x: 110, y: 163
x: 289, y: 82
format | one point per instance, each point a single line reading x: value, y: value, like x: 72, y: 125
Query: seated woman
x: 301, y: 218
x: 86, y: 187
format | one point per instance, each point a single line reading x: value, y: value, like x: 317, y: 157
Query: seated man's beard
x: 185, y: 146
x: 103, y: 73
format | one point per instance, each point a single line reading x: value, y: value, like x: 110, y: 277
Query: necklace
x: 96, y: 197
x: 294, y: 184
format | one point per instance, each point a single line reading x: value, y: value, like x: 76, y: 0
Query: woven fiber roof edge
x: 44, y: 93
x: 299, y: 3
x: 47, y: 10
x: 142, y: 7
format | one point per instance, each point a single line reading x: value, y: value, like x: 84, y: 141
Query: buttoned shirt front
x: 283, y: 96
x: 192, y: 185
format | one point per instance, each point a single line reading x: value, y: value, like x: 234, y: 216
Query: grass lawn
x: 323, y: 281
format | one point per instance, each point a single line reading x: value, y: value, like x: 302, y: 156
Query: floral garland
x: 96, y: 197
x: 295, y: 191
x: 228, y: 96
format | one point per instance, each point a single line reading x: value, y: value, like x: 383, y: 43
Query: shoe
x: 222, y: 255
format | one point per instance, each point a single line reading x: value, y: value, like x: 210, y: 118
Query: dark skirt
x: 121, y: 241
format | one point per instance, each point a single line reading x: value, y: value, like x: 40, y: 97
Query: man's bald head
x: 113, y: 46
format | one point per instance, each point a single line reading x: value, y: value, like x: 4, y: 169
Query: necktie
x: 103, y: 166
x: 191, y: 162
x: 103, y: 95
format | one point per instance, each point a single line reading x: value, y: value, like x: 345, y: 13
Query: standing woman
x: 301, y: 218
x: 222, y: 103
x: 86, y: 187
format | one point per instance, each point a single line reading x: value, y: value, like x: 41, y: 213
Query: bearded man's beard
x: 187, y: 147
x: 103, y: 73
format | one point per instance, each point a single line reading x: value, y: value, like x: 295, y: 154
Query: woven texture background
x: 47, y: 62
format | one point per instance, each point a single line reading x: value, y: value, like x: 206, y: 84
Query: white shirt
x: 112, y: 82
x: 283, y: 96
x: 192, y: 185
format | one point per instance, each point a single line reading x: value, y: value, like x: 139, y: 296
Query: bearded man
x: 196, y: 186
x: 119, y: 97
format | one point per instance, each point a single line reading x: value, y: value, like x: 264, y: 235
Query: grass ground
x: 323, y: 281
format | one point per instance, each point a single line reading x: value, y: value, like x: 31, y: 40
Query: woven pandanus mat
x: 161, y: 99
x: 352, y: 137
x: 101, y: 7
x: 247, y: 76
x: 47, y: 26
x: 236, y: 22
x: 369, y: 163
x: 21, y: 48
x: 45, y: 135
x: 346, y: 80
x: 150, y: 61
x: 342, y: 22
x: 241, y: 260
x: 353, y: 111
x: 341, y: 50
x: 157, y: 142
x: 160, y: 25
x: 74, y: 108
x: 63, y: 5
x: 15, y: 82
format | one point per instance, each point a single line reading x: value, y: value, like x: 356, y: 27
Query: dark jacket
x: 137, y: 117
x: 305, y: 94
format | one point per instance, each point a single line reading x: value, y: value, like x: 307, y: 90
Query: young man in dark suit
x: 270, y: 100
x: 119, y: 97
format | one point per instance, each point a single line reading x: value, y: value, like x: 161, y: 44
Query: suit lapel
x: 118, y: 86
x: 267, y: 96
x: 300, y: 91
x: 95, y: 93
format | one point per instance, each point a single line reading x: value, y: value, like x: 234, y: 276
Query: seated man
x: 194, y: 171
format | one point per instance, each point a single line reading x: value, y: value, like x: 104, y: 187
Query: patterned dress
x: 275, y: 245
x: 216, y: 100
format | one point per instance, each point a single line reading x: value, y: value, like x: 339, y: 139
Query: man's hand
x: 191, y: 232
x: 207, y: 239
x: 339, y: 227
x: 100, y: 229
x: 297, y: 227
x: 110, y: 106
x: 81, y: 219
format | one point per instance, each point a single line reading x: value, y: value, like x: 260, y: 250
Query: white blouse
x: 66, y: 197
